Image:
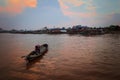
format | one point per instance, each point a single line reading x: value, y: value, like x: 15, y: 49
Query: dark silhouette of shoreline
x: 78, y: 29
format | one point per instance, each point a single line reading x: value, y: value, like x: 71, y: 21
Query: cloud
x: 68, y: 7
x: 17, y: 6
x: 74, y: 2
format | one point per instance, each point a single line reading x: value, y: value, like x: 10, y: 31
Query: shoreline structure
x: 78, y: 29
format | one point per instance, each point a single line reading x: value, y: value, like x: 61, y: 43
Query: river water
x: 70, y: 57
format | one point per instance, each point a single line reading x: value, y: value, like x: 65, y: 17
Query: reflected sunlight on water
x: 70, y: 57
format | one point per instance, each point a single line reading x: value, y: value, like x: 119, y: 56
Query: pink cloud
x: 17, y: 6
x: 77, y: 3
x: 1, y: 9
x: 63, y: 6
x: 73, y: 2
x: 79, y: 14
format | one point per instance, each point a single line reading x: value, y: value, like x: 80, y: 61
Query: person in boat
x: 37, y: 49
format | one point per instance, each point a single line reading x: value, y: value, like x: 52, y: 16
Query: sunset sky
x: 36, y: 14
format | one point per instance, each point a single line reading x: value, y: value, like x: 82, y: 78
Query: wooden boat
x: 33, y: 55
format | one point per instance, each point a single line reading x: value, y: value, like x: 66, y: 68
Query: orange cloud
x: 31, y: 3
x: 17, y: 6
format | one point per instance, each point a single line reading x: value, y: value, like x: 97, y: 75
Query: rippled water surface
x: 70, y: 57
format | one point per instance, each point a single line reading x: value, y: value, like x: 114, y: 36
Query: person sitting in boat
x: 37, y: 49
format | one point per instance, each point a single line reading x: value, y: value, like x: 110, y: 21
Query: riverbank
x: 113, y: 29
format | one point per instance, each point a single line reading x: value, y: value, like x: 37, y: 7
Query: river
x: 70, y: 57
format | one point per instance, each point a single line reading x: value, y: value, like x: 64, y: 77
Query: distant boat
x: 33, y: 55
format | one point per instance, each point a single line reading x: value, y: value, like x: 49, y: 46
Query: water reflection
x: 70, y: 57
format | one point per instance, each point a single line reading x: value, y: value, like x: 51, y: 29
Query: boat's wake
x: 30, y: 64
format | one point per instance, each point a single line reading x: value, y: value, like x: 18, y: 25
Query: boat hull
x: 33, y: 55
